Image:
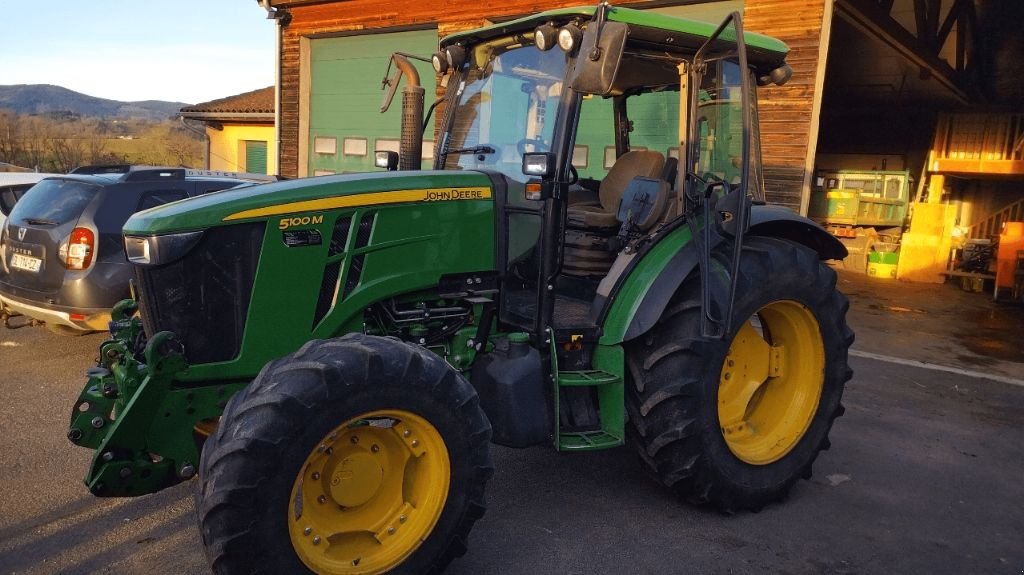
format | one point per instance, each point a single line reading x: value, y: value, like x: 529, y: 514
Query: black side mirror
x: 387, y: 160
x: 599, y: 57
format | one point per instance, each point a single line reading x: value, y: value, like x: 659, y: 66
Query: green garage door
x: 345, y: 123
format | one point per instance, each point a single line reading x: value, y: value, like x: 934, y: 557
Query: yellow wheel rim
x: 771, y: 382
x: 369, y: 494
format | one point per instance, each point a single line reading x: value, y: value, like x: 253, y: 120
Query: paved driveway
x: 925, y: 476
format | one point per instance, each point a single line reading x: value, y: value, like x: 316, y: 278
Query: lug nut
x: 316, y: 540
x: 108, y: 456
x: 125, y: 472
x: 321, y: 499
x: 415, y: 443
x: 391, y: 530
x: 74, y: 434
x: 402, y: 518
x: 407, y: 433
x: 375, y: 448
x: 187, y: 471
x: 354, y: 439
x: 316, y: 476
x: 307, y: 531
x: 97, y: 422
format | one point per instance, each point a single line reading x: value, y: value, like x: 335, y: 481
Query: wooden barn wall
x: 789, y: 127
x: 786, y: 112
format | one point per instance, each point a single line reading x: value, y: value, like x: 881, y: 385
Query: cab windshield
x: 507, y: 101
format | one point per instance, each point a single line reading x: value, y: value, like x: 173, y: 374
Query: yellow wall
x: 227, y: 152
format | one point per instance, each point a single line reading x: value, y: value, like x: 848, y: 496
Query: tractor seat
x: 638, y: 163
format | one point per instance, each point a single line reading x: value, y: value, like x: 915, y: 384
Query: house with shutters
x: 240, y: 134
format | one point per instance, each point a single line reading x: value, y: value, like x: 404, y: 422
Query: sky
x: 188, y: 51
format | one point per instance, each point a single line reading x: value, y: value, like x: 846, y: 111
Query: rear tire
x: 736, y: 422
x: 404, y: 506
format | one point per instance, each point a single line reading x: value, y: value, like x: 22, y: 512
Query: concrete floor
x: 924, y: 474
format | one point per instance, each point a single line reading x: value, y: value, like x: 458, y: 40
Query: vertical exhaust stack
x: 411, y: 145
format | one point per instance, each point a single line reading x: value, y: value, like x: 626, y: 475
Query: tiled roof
x: 256, y: 102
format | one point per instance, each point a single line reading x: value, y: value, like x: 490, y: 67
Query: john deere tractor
x: 333, y: 356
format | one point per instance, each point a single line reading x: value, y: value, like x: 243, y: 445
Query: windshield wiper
x: 473, y: 150
x: 41, y: 222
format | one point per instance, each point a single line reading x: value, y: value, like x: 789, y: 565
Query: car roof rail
x: 101, y: 169
x: 149, y: 173
x: 224, y: 174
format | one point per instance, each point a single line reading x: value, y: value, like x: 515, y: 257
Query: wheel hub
x: 771, y: 382
x: 369, y: 494
x: 355, y: 479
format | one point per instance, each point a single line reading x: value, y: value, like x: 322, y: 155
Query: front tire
x: 358, y: 455
x: 736, y: 422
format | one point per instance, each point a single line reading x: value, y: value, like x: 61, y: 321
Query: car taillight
x: 77, y: 252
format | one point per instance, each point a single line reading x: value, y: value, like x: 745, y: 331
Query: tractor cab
x: 586, y: 121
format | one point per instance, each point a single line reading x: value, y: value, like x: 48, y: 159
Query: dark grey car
x: 61, y: 255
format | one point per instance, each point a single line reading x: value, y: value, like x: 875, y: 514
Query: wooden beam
x: 933, y: 23
x: 998, y: 167
x: 947, y: 24
x: 867, y: 16
x: 920, y: 18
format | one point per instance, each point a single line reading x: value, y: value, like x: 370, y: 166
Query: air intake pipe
x: 411, y: 145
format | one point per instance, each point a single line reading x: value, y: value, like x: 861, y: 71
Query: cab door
x: 723, y: 166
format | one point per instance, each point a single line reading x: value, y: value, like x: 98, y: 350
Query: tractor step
x: 586, y: 378
x: 587, y: 441
x: 608, y: 388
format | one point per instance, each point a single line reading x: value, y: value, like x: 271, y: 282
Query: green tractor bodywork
x: 465, y: 260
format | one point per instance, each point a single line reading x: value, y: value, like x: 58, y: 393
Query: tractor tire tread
x: 666, y: 391
x: 279, y: 402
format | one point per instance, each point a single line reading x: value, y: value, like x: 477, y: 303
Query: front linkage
x: 146, y: 432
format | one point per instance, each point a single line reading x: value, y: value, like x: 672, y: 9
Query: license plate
x: 26, y: 263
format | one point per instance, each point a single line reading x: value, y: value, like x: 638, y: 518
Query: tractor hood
x: 306, y: 195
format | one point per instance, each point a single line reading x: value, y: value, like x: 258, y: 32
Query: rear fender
x: 641, y: 295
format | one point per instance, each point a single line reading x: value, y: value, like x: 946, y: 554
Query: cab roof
x: 672, y: 32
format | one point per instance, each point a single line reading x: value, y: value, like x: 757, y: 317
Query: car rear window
x: 57, y: 201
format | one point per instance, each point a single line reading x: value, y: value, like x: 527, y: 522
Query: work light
x: 440, y: 62
x: 569, y: 37
x: 544, y: 37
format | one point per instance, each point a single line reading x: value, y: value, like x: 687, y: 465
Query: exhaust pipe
x: 411, y: 144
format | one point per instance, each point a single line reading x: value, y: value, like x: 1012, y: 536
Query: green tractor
x: 333, y: 356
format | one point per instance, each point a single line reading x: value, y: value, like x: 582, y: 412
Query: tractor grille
x: 203, y: 298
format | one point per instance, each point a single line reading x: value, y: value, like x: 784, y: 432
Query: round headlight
x: 569, y: 37
x: 545, y: 37
x: 455, y: 55
x: 440, y: 62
